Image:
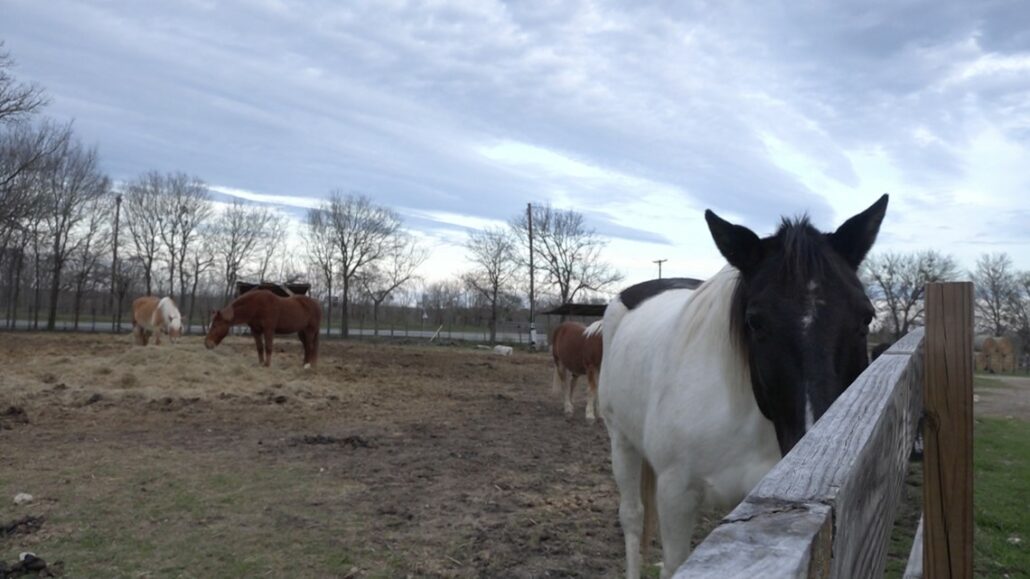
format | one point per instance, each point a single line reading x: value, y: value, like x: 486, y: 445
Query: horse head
x: 221, y: 320
x: 800, y: 313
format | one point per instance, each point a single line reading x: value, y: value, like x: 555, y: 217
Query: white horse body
x: 676, y: 395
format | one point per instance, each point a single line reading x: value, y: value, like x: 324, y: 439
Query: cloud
x: 640, y: 116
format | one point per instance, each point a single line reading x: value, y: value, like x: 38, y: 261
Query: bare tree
x: 397, y: 268
x: 898, y: 281
x: 25, y: 150
x: 995, y: 285
x: 566, y: 252
x: 239, y: 232
x: 493, y: 254
x: 1020, y: 309
x: 71, y: 184
x: 441, y: 298
x: 17, y: 100
x: 273, y: 241
x: 321, y: 251
x: 363, y: 233
x: 185, y: 206
x: 143, y: 209
x: 201, y: 260
x: 92, y: 244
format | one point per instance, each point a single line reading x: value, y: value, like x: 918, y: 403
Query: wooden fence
x: 827, y: 509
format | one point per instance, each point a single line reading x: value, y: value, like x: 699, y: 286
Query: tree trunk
x: 193, y: 300
x: 55, y: 292
x: 78, y: 306
x: 493, y: 318
x: 17, y: 289
x: 344, y: 319
x: 375, y: 318
x: 329, y: 319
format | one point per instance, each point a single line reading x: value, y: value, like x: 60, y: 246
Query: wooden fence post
x: 948, y: 432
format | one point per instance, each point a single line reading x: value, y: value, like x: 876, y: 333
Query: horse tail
x: 648, y: 485
x: 594, y: 329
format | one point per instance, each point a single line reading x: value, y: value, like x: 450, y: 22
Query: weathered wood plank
x: 853, y: 460
x: 909, y: 344
x: 787, y: 540
x: 914, y: 568
x: 948, y: 434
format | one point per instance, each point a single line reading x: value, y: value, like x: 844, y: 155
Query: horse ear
x: 226, y: 313
x: 738, y: 244
x: 856, y: 236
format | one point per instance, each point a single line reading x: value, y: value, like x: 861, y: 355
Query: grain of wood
x: 948, y: 457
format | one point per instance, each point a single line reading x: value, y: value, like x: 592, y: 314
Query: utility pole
x: 660, y: 262
x: 532, y: 297
x: 115, y: 315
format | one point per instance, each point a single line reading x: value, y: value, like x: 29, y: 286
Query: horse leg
x: 678, y: 504
x: 591, y: 395
x: 260, y: 346
x: 313, y: 341
x: 627, y: 464
x: 269, y: 336
x: 568, y: 395
x: 303, y: 335
x: 558, y: 384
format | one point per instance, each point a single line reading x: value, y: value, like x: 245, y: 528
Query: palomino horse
x: 267, y: 315
x: 704, y: 391
x: 152, y: 315
x: 576, y: 350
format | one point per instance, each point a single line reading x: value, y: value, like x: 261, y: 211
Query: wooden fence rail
x: 827, y: 509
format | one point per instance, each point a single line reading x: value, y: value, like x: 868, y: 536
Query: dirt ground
x: 388, y: 460
x: 1002, y: 396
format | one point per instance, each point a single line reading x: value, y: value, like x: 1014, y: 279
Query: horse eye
x: 754, y: 321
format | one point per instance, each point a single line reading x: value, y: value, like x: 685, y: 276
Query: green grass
x: 1001, y: 517
x: 1001, y: 479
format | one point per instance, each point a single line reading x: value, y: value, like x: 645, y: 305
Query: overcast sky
x: 640, y: 115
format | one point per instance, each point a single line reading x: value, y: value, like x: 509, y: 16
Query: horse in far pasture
x: 153, y: 315
x: 703, y: 391
x: 577, y: 350
x: 267, y: 315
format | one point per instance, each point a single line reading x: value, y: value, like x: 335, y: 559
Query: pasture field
x: 386, y: 461
x: 1001, y: 484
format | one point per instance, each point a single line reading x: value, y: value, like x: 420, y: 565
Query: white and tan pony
x: 151, y: 316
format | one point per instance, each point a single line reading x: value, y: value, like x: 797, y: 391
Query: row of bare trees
x: 896, y: 281
x: 566, y: 260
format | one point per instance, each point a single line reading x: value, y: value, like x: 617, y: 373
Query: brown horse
x: 576, y: 350
x: 267, y: 315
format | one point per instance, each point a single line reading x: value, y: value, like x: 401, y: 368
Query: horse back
x: 143, y: 309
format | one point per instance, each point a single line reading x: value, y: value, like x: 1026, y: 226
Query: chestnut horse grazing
x: 577, y: 352
x: 152, y: 315
x: 267, y: 315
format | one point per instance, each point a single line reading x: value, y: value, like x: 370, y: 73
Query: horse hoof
x: 307, y: 366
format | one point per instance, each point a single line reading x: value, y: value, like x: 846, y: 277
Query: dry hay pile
x: 114, y: 369
x: 994, y: 354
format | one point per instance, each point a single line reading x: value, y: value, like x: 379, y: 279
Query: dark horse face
x: 221, y: 320
x: 801, y: 313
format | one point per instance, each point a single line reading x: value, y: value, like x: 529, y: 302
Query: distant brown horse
x: 267, y: 315
x: 576, y: 350
x: 153, y: 315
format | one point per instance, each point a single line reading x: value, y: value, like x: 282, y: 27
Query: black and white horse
x: 704, y: 390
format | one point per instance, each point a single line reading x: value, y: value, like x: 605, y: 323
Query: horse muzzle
x: 209, y: 344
